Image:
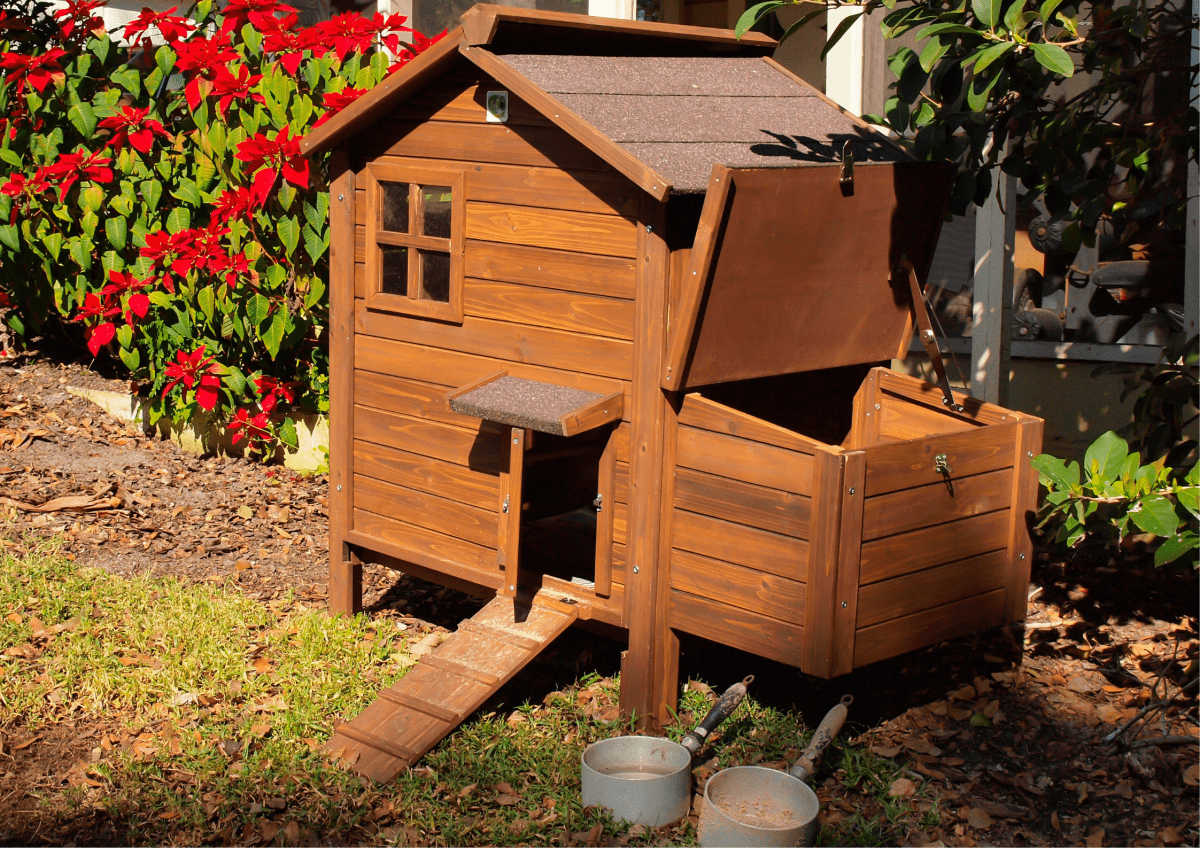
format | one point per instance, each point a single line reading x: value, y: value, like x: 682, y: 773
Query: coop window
x: 415, y: 240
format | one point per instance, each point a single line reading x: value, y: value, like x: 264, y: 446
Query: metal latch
x: 504, y: 508
x: 598, y: 503
x: 940, y: 465
x: 846, y: 177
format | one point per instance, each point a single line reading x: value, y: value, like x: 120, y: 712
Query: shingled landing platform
x: 448, y: 684
x: 533, y: 405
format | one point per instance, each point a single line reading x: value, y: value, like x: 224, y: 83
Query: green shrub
x: 157, y: 199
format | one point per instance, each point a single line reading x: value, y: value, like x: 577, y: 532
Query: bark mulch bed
x: 1078, y: 728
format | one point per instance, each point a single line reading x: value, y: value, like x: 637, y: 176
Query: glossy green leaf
x: 933, y: 51
x: 1105, y: 456
x: 987, y: 11
x: 314, y: 245
x: 131, y: 357
x: 1173, y: 547
x: 842, y: 28
x: 1053, y: 58
x: 83, y: 118
x: 152, y: 192
x: 1055, y: 472
x: 10, y: 238
x: 128, y: 79
x: 117, y: 232
x: 206, y: 299
x: 257, y: 309
x: 272, y: 334
x: 289, y: 233
x: 985, y: 58
x: 179, y: 219
x: 1155, y: 514
x: 189, y: 193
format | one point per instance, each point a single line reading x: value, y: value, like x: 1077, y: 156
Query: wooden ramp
x: 448, y: 684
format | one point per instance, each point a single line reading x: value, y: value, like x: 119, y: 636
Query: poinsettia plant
x: 153, y: 196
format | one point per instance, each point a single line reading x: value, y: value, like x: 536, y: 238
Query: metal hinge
x: 504, y: 508
x: 598, y: 503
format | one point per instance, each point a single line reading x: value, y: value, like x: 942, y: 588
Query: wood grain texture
x: 345, y: 573
x: 505, y: 342
x: 1024, y: 506
x: 761, y: 550
x: 462, y: 97
x: 757, y: 634
x: 751, y: 462
x: 899, y: 418
x: 743, y: 503
x: 864, y: 430
x: 541, y: 307
x: 823, y: 553
x: 437, y: 551
x: 695, y: 278
x: 581, y: 232
x: 482, y: 451
x: 508, y: 545
x: 417, y: 362
x: 745, y: 588
x: 413, y: 398
x: 937, y: 503
x: 440, y: 514
x: 610, y: 276
x: 427, y: 474
x: 918, y: 391
x: 930, y: 546
x: 465, y: 142
x: 933, y: 587
x: 845, y: 608
x: 705, y: 414
x: 908, y: 464
x: 928, y: 627
x: 604, y: 520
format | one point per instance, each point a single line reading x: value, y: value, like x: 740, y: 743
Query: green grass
x: 215, y: 707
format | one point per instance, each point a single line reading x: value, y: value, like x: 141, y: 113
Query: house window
x: 415, y: 240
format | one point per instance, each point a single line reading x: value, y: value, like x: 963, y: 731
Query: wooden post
x: 849, y: 544
x: 829, y: 471
x: 645, y: 575
x: 1024, y: 504
x: 345, y: 571
x: 508, y: 542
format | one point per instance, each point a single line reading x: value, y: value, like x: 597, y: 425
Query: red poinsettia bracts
x: 336, y: 101
x: 267, y: 158
x: 164, y: 249
x: 78, y: 22
x: 281, y: 38
x: 95, y: 309
x: 228, y: 86
x: 172, y: 26
x: 38, y: 71
x: 122, y: 282
x: 417, y: 44
x: 200, y: 58
x: 253, y: 428
x: 234, y: 204
x: 133, y: 127
x: 272, y: 392
x: 73, y: 167
x: 260, y: 13
x: 195, y: 370
x: 349, y: 32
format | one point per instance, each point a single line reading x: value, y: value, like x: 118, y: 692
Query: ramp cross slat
x: 401, y: 726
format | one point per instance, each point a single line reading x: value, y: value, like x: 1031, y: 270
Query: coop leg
x: 666, y: 693
x: 345, y: 585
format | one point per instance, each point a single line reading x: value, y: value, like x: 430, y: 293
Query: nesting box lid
x: 792, y: 270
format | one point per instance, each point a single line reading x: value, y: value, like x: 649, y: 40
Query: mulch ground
x: 1079, y: 728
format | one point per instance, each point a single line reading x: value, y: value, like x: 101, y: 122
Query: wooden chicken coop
x: 608, y: 304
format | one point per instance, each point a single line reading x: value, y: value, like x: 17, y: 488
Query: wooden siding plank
x: 903, y: 420
x: 745, y: 588
x: 466, y: 142
x: 737, y: 543
x: 937, y: 503
x: 930, y: 546
x: 751, y: 462
x: 922, y: 590
x: 417, y: 362
x: 604, y: 520
x: 505, y: 342
x: 621, y: 482
x: 422, y: 509
x: 757, y: 634
x: 412, y: 397
x: 743, y: 503
x: 427, y: 474
x: 900, y: 635
x: 705, y: 414
x: 539, y: 307
x: 485, y: 452
x: 581, y: 232
x: 612, y: 276
x: 919, y: 391
x: 461, y: 98
x: 1024, y: 506
x: 907, y: 464
x: 427, y: 547
x: 602, y: 192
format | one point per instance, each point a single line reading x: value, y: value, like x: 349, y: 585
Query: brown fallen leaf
x: 291, y: 833
x: 593, y: 837
x: 260, y: 730
x: 1170, y: 837
x: 268, y: 830
x: 14, y: 618
x: 887, y: 752
x: 902, y: 787
x: 1192, y: 776
x: 1095, y: 837
x: 262, y: 665
x: 979, y: 819
x: 21, y: 746
x: 72, y: 503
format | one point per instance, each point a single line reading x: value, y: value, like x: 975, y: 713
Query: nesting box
x: 608, y: 306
